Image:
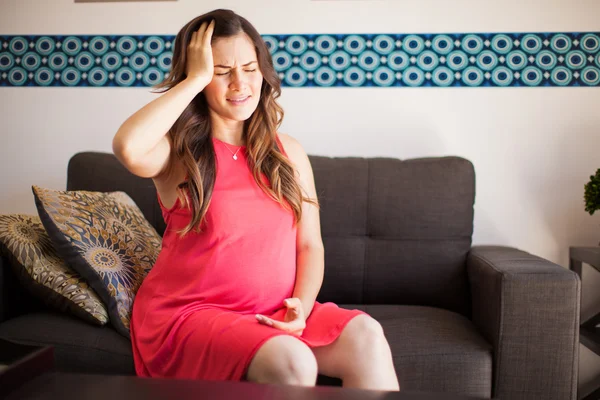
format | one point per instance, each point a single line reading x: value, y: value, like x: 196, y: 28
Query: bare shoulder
x: 299, y: 159
x: 292, y: 147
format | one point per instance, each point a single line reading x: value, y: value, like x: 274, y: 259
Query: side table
x: 589, y: 334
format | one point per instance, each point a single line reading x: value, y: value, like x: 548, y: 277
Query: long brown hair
x: 191, y: 132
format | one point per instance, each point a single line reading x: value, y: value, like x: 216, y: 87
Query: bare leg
x: 360, y: 356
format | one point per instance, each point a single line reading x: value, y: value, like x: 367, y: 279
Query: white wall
x: 533, y: 148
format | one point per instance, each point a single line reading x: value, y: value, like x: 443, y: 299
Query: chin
x: 241, y: 116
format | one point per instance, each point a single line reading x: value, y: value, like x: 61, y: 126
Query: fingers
x: 291, y: 326
x: 208, y: 32
x: 198, y: 36
x: 293, y: 304
x: 264, y: 320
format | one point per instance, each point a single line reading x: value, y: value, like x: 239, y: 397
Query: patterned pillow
x: 106, y: 238
x: 24, y: 241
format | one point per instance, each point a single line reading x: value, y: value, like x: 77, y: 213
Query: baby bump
x: 248, y: 287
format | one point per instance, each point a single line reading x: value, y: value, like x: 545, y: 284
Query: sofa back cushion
x: 395, y: 231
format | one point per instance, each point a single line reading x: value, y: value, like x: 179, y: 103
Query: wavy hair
x: 191, y: 132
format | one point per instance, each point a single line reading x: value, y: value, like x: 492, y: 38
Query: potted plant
x: 592, y: 194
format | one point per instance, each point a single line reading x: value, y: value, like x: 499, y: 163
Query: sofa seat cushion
x: 434, y: 349
x: 78, y: 346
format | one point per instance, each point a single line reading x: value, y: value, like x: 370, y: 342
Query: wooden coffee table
x: 58, y: 385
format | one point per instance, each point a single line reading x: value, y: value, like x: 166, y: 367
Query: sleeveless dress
x: 194, y: 314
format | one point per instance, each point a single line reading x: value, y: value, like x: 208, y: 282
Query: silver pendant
x: 234, y: 157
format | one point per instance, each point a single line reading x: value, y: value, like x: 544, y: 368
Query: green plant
x: 592, y: 193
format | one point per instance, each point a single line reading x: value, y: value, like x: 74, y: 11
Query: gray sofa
x: 476, y: 320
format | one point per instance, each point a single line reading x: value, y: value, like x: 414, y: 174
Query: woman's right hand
x: 199, y: 53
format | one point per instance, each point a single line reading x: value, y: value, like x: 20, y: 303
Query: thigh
x: 276, y: 355
x: 341, y: 355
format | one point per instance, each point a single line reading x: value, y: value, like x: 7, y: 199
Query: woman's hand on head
x: 199, y: 53
x: 294, y: 321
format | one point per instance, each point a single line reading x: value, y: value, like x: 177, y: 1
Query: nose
x: 238, y: 80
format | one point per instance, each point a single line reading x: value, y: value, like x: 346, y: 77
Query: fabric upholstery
x: 397, y: 233
x: 78, y: 346
x: 528, y: 309
x: 106, y: 239
x: 40, y: 269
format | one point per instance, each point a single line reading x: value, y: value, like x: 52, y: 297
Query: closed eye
x: 250, y: 70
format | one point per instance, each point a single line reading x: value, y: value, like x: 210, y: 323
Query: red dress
x: 194, y: 315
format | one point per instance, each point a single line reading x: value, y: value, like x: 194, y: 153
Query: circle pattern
x: 368, y: 60
x: 325, y: 45
x: 502, y: 76
x: 296, y: 45
x: 383, y: 76
x: 325, y: 76
x: 295, y: 76
x: 398, y: 60
x: 442, y: 44
x: 84, y: 61
x: 560, y: 43
x: 383, y: 44
x: 282, y: 61
x: 576, y: 59
x: 546, y: 60
x: 531, y: 43
x: 561, y: 76
x: 413, y: 76
x: 487, y: 60
x: 126, y: 45
x: 72, y: 45
x: 31, y: 61
x: 428, y: 60
x: 531, y: 76
x: 271, y: 43
x: 590, y: 43
x: 413, y: 44
x: 516, y: 60
x: 457, y: 60
x: 502, y: 44
x: 154, y: 45
x: 443, y: 76
x: 45, y: 45
x: 310, y: 61
x: 339, y: 60
x: 354, y: 76
x: 472, y: 76
x: 590, y: 76
x: 353, y: 60
x: 354, y: 44
x: 44, y: 76
x: 97, y: 46
x: 472, y: 44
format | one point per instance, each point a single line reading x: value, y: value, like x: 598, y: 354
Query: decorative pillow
x: 106, y: 238
x: 24, y: 241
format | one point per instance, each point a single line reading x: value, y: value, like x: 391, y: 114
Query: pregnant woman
x: 232, y: 295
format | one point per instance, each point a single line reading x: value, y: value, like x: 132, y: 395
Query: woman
x: 232, y: 293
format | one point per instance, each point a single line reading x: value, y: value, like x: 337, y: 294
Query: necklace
x: 234, y: 154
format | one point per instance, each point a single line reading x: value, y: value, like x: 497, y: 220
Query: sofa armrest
x: 528, y: 309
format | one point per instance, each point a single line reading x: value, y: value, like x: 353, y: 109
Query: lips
x: 238, y: 98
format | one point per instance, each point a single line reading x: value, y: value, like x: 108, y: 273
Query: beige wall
x: 533, y: 148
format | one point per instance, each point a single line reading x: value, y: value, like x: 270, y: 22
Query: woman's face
x: 236, y: 76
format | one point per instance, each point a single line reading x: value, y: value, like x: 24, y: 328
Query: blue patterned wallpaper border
x: 320, y: 60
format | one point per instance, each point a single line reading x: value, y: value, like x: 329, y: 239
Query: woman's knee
x: 366, y: 339
x: 284, y: 359
x: 368, y: 330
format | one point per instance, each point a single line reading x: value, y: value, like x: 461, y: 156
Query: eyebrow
x: 227, y: 66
